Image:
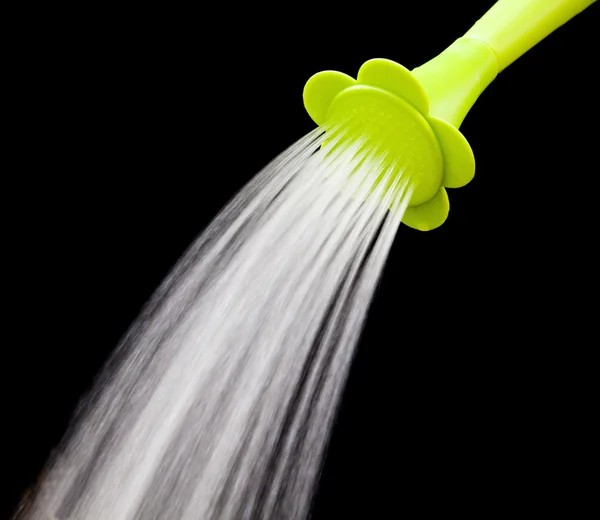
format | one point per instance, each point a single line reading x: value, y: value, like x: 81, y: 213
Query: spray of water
x: 219, y: 401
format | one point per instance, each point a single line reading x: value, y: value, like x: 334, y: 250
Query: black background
x: 138, y: 126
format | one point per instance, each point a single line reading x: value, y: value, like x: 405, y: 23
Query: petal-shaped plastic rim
x: 320, y: 90
x: 393, y: 77
x: 429, y: 215
x: 459, y: 161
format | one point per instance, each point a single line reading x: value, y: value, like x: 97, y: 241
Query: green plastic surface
x: 412, y: 118
x: 512, y: 27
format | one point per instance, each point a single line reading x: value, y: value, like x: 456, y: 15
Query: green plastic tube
x: 512, y: 27
x: 457, y: 77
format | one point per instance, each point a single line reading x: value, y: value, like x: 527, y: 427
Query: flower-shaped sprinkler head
x: 411, y: 119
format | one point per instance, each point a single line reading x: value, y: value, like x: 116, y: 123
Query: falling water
x: 219, y: 401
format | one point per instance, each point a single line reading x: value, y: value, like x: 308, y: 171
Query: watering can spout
x: 416, y: 114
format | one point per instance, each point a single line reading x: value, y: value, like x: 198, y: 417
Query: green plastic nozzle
x: 412, y: 118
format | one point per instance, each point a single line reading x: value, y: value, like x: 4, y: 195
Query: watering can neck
x: 455, y: 79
